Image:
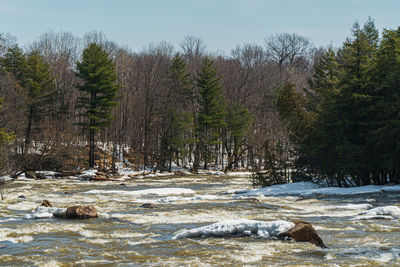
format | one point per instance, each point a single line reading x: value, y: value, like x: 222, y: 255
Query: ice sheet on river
x: 151, y: 191
x: 386, y: 212
x: 42, y: 212
x: 306, y: 189
x: 238, y: 227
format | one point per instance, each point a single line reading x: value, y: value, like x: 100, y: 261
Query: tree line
x: 288, y: 108
x: 188, y: 107
x: 345, y: 125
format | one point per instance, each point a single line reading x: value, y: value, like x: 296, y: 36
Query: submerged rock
x: 252, y: 199
x: 303, y: 232
x: 22, y: 196
x: 46, y: 203
x: 149, y: 206
x: 81, y: 212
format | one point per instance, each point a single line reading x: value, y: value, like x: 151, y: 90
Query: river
x: 128, y: 235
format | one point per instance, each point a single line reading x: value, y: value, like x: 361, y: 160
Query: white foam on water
x: 238, y: 227
x: 355, y: 206
x: 95, y: 240
x: 123, y: 234
x: 307, y: 189
x: 24, y: 205
x: 151, y: 191
x: 90, y: 233
x: 196, y: 197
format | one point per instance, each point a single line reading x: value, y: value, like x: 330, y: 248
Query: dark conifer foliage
x: 289, y: 109
x: 211, y: 116
x: 99, y: 92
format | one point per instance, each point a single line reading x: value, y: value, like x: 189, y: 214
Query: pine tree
x: 386, y: 122
x: 177, y: 119
x: 338, y: 145
x: 98, y: 89
x: 350, y: 108
x: 36, y: 83
x: 238, y: 121
x: 212, y: 109
x: 5, y: 138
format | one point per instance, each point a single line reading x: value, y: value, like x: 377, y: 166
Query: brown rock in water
x: 46, y: 203
x: 81, y: 212
x: 149, y: 206
x: 303, y: 232
x: 252, y: 199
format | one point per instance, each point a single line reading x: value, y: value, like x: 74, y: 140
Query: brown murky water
x: 134, y: 236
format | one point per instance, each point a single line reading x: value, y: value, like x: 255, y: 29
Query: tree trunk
x: 28, y: 130
x: 91, y: 148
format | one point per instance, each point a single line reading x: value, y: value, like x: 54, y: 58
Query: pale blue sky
x: 222, y: 24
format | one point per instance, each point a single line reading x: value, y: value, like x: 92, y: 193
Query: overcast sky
x: 222, y: 24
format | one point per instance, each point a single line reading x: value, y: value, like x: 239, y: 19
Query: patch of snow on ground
x: 239, y: 174
x: 238, y: 227
x: 151, y: 191
x: 306, y: 189
x: 88, y: 174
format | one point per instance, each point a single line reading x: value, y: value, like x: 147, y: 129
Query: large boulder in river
x: 303, y: 232
x: 81, y: 212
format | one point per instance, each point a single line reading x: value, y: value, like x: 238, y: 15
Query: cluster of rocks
x: 75, y: 212
x: 302, y: 231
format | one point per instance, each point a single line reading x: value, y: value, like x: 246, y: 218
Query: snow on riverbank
x: 151, y: 191
x: 238, y: 227
x: 307, y: 189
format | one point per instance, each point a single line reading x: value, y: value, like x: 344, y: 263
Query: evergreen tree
x: 238, y: 121
x: 211, y: 110
x: 386, y: 122
x: 36, y: 84
x: 337, y: 145
x: 98, y: 89
x: 177, y: 119
x: 5, y: 138
x: 349, y: 115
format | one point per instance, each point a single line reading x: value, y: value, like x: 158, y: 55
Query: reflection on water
x: 129, y: 235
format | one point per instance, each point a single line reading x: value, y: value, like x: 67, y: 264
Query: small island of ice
x: 239, y: 227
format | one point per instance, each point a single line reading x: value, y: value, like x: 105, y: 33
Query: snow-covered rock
x: 42, y: 212
x: 239, y: 227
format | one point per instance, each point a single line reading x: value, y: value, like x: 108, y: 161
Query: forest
x: 294, y: 111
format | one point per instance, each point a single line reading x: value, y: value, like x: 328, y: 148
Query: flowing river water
x: 128, y: 235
